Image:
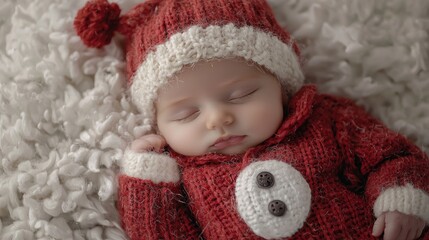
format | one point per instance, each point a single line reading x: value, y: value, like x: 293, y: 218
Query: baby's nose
x: 219, y: 118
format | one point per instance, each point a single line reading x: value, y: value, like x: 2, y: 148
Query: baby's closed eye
x: 241, y: 94
x: 185, y: 114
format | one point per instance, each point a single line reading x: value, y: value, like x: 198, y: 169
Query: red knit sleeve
x: 378, y: 159
x: 151, y: 200
x: 154, y: 211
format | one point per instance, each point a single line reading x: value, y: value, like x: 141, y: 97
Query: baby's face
x: 223, y: 106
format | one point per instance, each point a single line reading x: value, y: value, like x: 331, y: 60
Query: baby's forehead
x: 221, y: 68
x: 212, y: 74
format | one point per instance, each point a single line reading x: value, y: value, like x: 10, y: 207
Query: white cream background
x: 65, y: 120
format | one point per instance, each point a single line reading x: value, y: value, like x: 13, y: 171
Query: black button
x: 277, y: 208
x: 265, y: 180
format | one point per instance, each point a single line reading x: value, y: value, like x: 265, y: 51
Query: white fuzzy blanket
x: 65, y: 118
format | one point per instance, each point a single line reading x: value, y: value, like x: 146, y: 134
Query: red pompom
x: 96, y: 22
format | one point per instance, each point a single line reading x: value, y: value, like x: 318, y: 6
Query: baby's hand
x: 398, y: 226
x: 150, y: 142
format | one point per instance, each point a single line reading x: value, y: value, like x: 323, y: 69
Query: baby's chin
x: 234, y: 150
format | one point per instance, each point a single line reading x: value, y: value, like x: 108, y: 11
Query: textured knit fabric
x: 347, y: 158
x: 163, y: 36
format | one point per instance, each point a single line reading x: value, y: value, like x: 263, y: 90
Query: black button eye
x: 265, y: 180
x: 277, y: 208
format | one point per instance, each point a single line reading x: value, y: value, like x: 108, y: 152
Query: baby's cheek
x: 184, y: 140
x: 264, y: 119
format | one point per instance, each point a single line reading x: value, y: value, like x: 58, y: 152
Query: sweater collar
x: 297, y: 112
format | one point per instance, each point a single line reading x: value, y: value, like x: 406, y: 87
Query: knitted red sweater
x: 328, y: 170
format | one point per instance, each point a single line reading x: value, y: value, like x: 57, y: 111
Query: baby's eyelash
x: 186, y: 118
x: 243, y: 96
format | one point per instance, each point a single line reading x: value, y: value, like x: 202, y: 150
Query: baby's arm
x: 392, y: 171
x: 398, y: 226
x: 151, y: 200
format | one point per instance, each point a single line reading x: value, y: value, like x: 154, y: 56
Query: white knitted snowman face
x: 223, y: 106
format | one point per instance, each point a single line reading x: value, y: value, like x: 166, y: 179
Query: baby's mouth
x: 228, y: 141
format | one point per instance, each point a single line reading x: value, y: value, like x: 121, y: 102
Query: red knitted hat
x: 165, y: 35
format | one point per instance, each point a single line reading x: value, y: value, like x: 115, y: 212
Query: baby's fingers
x: 141, y: 145
x: 399, y: 226
x: 378, y: 228
x: 394, y: 231
x: 151, y: 142
x: 416, y: 232
x: 157, y: 142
